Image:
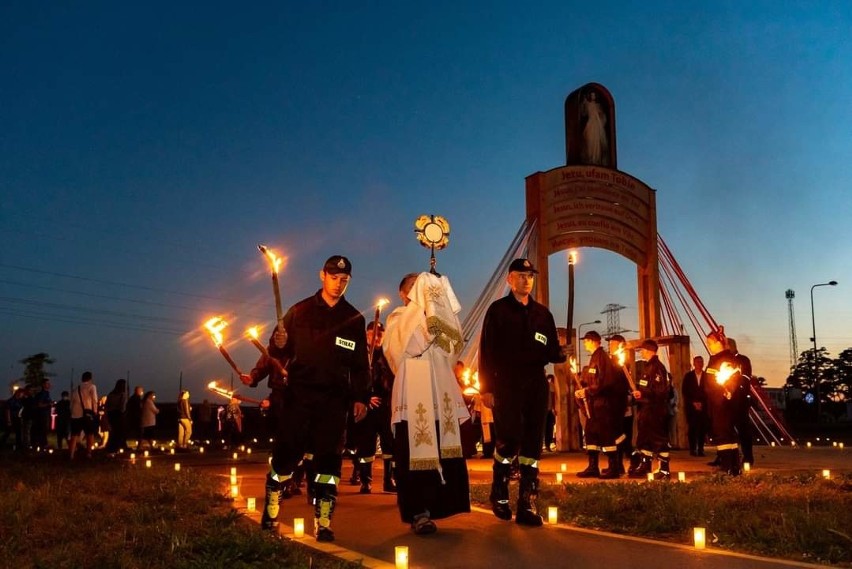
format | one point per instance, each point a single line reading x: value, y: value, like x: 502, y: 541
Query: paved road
x: 368, y: 526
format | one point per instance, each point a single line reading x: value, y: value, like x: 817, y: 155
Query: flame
x: 725, y: 372
x: 253, y: 332
x: 382, y: 303
x: 214, y: 387
x: 572, y: 361
x: 274, y: 260
x: 215, y: 326
x: 621, y: 355
x: 471, y: 382
x: 573, y: 256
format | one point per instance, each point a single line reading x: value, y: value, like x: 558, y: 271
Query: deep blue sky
x: 146, y: 149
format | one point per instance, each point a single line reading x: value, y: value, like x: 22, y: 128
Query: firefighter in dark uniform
x: 377, y: 423
x: 518, y: 339
x: 742, y: 398
x: 652, y: 396
x: 604, y: 391
x: 328, y: 377
x: 273, y: 367
x: 721, y: 406
x: 619, y: 403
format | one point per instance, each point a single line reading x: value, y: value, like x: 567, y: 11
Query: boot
x: 366, y: 475
x: 527, y: 513
x: 619, y: 461
x: 592, y: 471
x: 355, y: 479
x: 643, y: 469
x: 388, y: 484
x: 664, y: 473
x: 611, y: 471
x: 500, y: 491
x: 298, y: 479
x: 635, y: 461
x: 729, y: 461
x: 323, y: 511
x: 272, y: 504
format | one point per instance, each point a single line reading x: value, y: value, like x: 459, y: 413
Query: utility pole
x: 794, y: 345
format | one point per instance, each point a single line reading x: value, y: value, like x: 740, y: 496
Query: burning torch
x: 275, y: 264
x: 253, y: 336
x: 379, y: 305
x: 572, y: 362
x: 621, y: 356
x: 215, y: 326
x: 725, y: 372
x: 214, y: 387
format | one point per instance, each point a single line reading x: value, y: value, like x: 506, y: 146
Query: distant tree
x: 843, y: 366
x: 34, y: 369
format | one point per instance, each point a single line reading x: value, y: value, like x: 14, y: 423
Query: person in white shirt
x: 84, y: 414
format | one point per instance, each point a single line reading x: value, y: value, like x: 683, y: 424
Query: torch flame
x: 572, y: 257
x: 725, y: 372
x: 214, y: 387
x: 253, y: 332
x: 620, y: 355
x: 274, y: 260
x: 572, y: 361
x: 471, y: 382
x: 215, y: 326
x: 382, y: 303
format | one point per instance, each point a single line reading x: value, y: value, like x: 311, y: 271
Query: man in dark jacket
x: 652, y: 396
x: 327, y: 371
x: 518, y: 339
x: 695, y: 403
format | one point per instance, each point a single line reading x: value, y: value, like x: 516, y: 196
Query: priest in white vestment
x: 422, y: 340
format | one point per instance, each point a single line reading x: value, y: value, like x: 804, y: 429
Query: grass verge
x: 104, y: 514
x: 795, y: 516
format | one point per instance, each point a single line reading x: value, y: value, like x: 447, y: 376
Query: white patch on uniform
x: 539, y: 337
x: 643, y: 382
x: 344, y: 343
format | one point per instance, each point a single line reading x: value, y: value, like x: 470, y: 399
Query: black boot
x: 635, y: 461
x: 643, y: 469
x: 500, y: 491
x: 366, y: 475
x: 271, y: 504
x: 298, y: 479
x: 611, y: 471
x: 729, y: 461
x: 388, y: 484
x: 323, y: 511
x: 664, y: 473
x: 527, y: 514
x: 619, y: 461
x: 592, y: 471
x: 355, y: 479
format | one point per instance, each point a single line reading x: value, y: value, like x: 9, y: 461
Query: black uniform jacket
x: 517, y: 340
x: 327, y: 348
x: 654, y: 385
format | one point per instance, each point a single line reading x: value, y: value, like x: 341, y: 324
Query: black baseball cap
x: 337, y: 264
x: 616, y: 338
x: 592, y: 335
x: 649, y: 345
x: 522, y: 266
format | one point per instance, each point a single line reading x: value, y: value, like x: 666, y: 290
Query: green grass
x: 801, y: 517
x: 103, y: 514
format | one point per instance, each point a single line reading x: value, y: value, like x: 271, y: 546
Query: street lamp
x: 579, y: 328
x: 569, y: 321
x: 814, y: 360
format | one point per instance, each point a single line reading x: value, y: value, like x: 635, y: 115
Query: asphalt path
x: 368, y: 527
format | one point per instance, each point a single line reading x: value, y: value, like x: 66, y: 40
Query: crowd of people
x: 30, y: 420
x: 333, y: 378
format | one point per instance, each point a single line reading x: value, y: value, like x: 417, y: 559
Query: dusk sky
x: 147, y: 148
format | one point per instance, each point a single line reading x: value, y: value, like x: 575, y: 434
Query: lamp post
x: 814, y: 360
x: 579, y: 328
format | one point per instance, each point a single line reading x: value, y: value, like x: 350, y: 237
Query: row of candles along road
x: 681, y: 476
